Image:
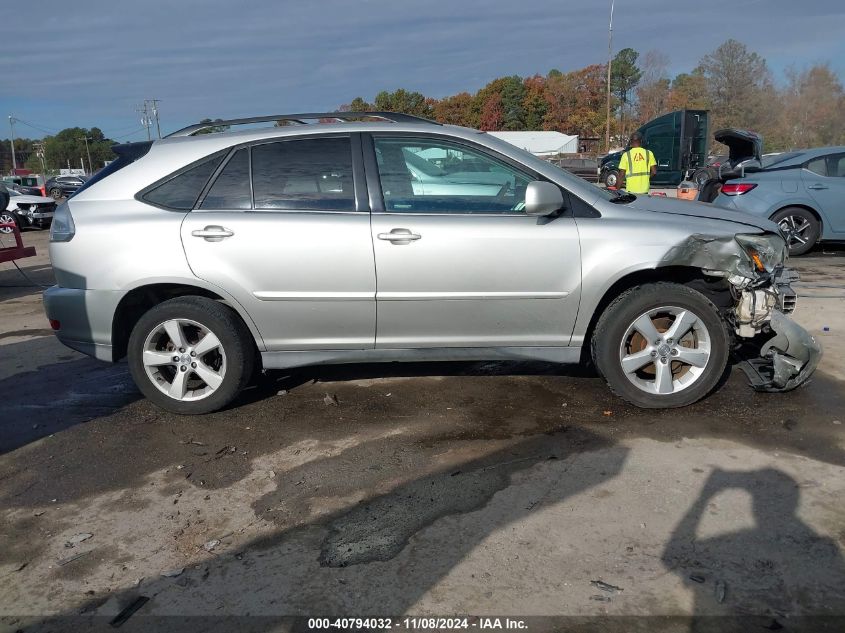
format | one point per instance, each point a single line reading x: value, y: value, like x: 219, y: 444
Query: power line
x: 122, y: 129
x: 140, y: 129
x: 33, y: 126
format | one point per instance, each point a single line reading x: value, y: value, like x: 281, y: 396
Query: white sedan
x: 27, y: 211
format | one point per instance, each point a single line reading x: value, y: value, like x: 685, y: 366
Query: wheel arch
x: 141, y: 298
x: 716, y: 289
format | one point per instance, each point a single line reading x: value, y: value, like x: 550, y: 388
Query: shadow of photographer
x: 779, y: 569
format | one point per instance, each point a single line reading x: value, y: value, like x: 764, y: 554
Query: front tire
x: 56, y: 193
x: 7, y: 217
x: 661, y: 345
x: 801, y: 228
x: 191, y: 355
x: 611, y: 178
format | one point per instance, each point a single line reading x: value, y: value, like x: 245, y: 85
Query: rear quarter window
x: 180, y: 191
x: 818, y: 166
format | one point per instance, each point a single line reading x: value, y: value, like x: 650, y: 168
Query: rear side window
x: 231, y: 188
x: 818, y: 166
x: 180, y: 192
x: 306, y: 174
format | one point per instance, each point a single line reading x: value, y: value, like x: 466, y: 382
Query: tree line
x: 732, y: 82
x: 59, y: 150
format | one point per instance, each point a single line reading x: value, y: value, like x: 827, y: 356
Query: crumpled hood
x: 659, y: 204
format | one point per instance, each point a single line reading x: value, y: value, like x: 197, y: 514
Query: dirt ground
x: 486, y: 489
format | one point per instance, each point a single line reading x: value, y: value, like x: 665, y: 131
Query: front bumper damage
x: 787, y: 360
x: 783, y: 354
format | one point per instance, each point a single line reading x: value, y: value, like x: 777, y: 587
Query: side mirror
x: 542, y: 198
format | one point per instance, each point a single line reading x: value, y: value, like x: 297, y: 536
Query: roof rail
x: 394, y: 117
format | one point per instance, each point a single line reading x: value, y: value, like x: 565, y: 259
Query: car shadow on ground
x: 46, y: 393
x: 357, y: 559
x: 14, y: 285
x: 364, y: 556
x: 375, y: 555
x: 84, y: 401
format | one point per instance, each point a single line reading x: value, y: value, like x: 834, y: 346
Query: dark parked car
x: 586, y: 168
x: 62, y: 186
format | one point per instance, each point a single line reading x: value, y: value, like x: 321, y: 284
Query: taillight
x: 62, y: 228
x: 737, y: 189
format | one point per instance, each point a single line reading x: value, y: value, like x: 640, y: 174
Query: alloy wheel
x: 184, y: 359
x: 6, y: 218
x: 665, y: 350
x: 795, y: 228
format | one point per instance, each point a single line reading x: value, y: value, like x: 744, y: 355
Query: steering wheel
x: 500, y: 196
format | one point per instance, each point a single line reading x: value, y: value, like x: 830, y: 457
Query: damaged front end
x: 760, y: 286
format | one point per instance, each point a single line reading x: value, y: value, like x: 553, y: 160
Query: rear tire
x: 611, y: 178
x: 661, y: 345
x: 56, y: 193
x: 191, y: 355
x: 801, y: 228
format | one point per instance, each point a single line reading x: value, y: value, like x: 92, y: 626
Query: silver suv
x: 359, y: 237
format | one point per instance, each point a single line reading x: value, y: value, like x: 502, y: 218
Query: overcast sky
x: 90, y: 62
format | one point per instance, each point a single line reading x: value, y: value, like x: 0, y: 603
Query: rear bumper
x: 85, y: 318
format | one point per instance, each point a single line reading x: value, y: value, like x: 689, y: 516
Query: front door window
x: 431, y: 176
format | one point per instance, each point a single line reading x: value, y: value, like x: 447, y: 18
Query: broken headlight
x: 765, y: 252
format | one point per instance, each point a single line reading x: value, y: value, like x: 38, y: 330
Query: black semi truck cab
x: 679, y: 143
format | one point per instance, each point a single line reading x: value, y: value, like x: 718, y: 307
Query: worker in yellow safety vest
x: 637, y: 166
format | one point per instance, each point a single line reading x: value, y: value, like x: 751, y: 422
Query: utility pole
x: 145, y: 118
x: 88, y: 151
x: 39, y: 151
x: 12, y: 141
x: 148, y: 112
x: 154, y: 108
x: 609, y: 61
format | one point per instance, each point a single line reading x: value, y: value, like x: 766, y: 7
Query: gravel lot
x: 426, y: 489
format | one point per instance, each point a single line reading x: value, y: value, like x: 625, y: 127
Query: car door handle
x: 817, y: 186
x: 399, y: 236
x: 213, y: 233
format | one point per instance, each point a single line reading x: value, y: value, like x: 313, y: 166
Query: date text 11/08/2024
x: 413, y: 624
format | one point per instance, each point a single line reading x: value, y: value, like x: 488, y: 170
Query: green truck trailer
x: 679, y: 143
